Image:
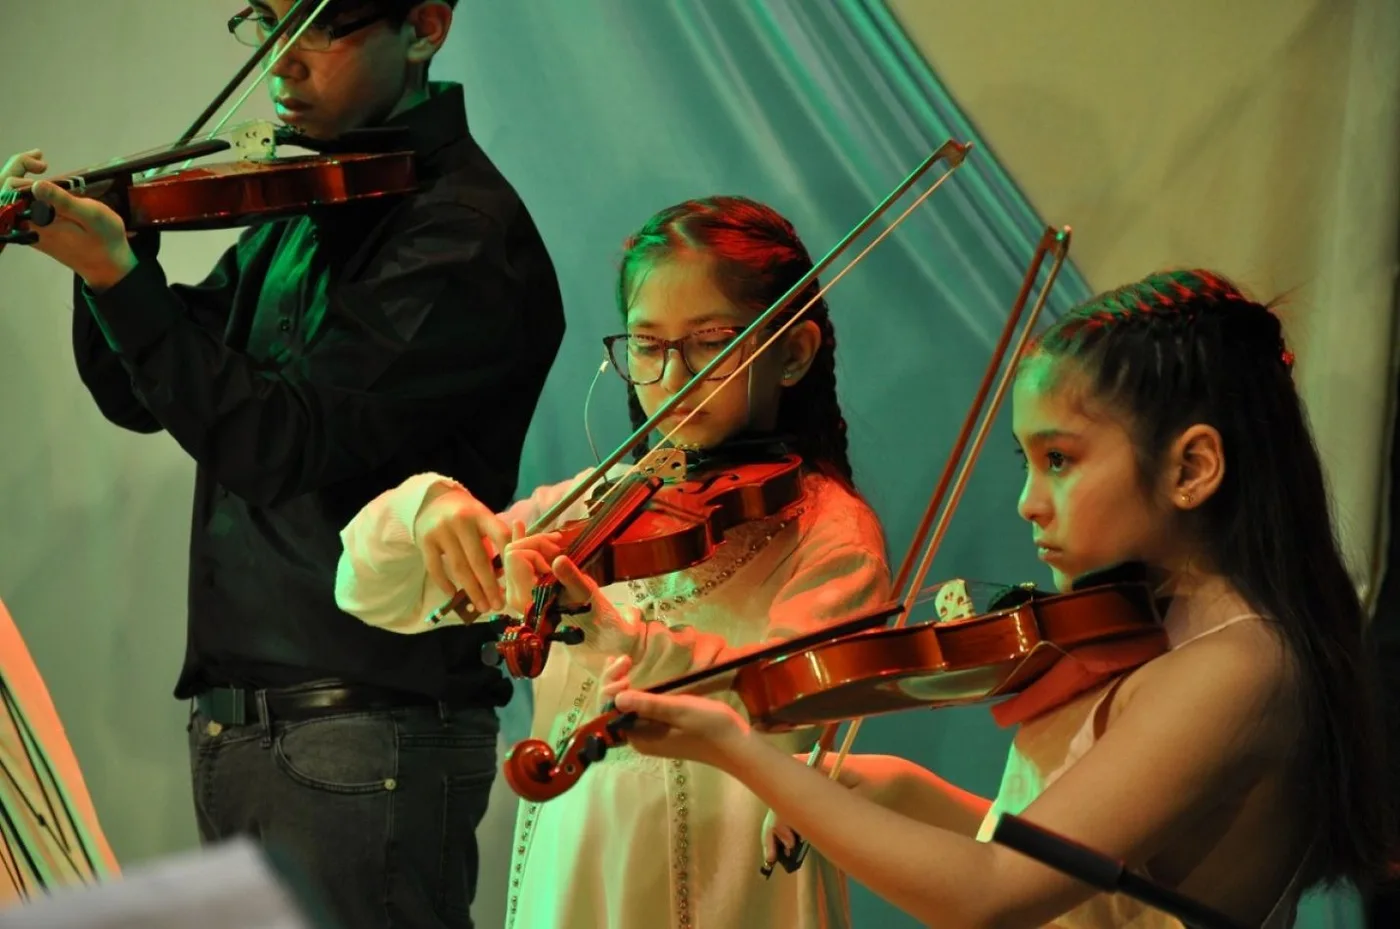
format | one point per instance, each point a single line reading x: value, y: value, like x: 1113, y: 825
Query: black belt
x: 235, y: 706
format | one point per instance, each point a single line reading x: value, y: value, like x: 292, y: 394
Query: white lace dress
x: 639, y: 842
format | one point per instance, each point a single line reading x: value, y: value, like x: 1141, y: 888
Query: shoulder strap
x: 1229, y: 622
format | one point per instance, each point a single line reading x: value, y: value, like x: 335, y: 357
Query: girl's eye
x: 1055, y: 462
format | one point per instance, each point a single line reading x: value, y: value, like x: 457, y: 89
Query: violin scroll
x: 536, y: 773
x: 523, y: 649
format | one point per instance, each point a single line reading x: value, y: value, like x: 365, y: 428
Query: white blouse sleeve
x: 381, y: 578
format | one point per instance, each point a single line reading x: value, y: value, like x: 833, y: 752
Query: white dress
x: 640, y: 842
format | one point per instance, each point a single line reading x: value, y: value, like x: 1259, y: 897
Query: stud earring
x: 1186, y: 498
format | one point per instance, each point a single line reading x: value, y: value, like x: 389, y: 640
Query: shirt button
x: 284, y: 324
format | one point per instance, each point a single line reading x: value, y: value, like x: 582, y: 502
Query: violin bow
x: 285, y: 24
x: 1053, y: 243
x: 662, y: 456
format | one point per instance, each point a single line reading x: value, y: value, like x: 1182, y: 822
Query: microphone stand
x: 1107, y: 874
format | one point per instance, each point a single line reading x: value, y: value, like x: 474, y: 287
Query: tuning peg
x: 38, y: 214
x: 594, y: 749
x: 566, y: 635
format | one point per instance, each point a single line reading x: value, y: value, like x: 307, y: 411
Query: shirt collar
x: 425, y: 129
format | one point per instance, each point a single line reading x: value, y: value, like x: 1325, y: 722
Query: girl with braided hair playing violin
x: 644, y: 843
x: 1160, y: 424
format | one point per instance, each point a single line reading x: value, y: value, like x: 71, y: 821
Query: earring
x: 1186, y: 498
x: 788, y: 374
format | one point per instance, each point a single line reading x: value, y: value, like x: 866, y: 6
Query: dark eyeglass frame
x: 332, y: 33
x: 676, y: 345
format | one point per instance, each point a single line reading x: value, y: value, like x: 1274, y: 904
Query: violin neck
x: 134, y: 166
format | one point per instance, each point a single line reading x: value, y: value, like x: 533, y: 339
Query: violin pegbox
x: 254, y: 140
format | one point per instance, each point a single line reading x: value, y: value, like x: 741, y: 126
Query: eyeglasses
x: 641, y: 359
x: 252, y: 28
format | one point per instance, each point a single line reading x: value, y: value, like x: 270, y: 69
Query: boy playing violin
x: 326, y: 358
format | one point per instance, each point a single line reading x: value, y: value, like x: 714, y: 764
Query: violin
x: 229, y: 194
x: 851, y: 670
x: 673, y: 527
x: 537, y: 773
x: 667, y: 516
x: 221, y: 195
x: 938, y: 664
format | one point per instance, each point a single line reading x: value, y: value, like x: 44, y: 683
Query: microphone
x: 587, y: 399
x: 1104, y: 873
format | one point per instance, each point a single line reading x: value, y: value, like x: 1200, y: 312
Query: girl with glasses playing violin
x: 1237, y: 763
x: 647, y: 843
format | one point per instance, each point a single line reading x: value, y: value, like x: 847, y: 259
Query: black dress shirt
x: 325, y: 359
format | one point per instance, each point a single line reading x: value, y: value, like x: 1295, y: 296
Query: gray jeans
x: 378, y: 809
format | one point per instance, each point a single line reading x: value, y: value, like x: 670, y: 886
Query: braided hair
x: 1185, y: 347
x: 757, y: 257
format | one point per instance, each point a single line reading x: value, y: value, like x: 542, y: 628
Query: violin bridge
x: 664, y: 463
x: 254, y: 140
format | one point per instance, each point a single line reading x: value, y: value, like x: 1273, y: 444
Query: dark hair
x: 1186, y: 347
x: 757, y: 258
x: 397, y: 10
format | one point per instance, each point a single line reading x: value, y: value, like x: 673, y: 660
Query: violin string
x: 77, y: 180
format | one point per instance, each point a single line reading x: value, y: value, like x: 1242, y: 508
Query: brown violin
x: 852, y: 670
x: 937, y: 664
x: 217, y: 196
x: 665, y: 517
x: 229, y: 194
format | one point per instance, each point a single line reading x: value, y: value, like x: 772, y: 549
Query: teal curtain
x: 603, y: 112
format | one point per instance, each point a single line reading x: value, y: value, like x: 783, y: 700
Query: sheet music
x: 226, y: 886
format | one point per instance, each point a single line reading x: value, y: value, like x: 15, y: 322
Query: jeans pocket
x: 352, y: 754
